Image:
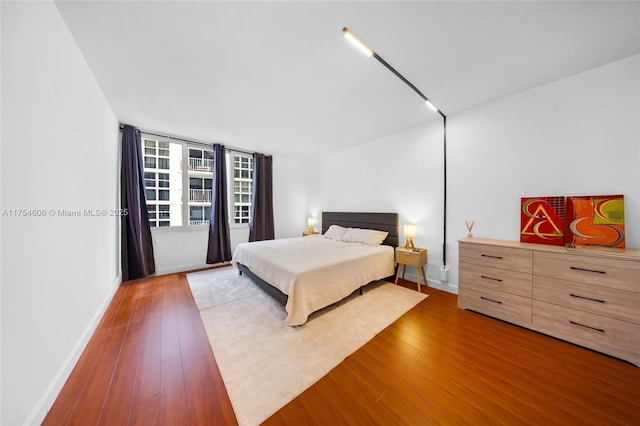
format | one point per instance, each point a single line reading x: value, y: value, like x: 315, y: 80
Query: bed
x: 309, y: 273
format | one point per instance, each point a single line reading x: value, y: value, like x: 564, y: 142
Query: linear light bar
x: 357, y: 42
x: 431, y: 105
x: 365, y: 49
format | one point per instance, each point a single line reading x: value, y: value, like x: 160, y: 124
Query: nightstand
x: 412, y: 257
x: 305, y: 233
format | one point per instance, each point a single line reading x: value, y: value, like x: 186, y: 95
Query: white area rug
x: 264, y: 363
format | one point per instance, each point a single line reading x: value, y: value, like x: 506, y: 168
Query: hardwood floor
x: 150, y: 363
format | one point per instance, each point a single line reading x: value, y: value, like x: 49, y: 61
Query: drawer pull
x: 491, y: 300
x: 493, y: 257
x: 586, y: 298
x: 595, y: 271
x: 490, y: 278
x: 587, y: 326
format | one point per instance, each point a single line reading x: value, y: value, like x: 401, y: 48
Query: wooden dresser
x: 588, y: 296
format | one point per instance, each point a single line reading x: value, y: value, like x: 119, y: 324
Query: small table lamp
x: 409, y: 232
x: 311, y: 221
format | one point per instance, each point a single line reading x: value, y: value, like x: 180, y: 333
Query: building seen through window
x: 180, y: 193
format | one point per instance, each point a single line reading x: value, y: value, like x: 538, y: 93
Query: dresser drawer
x: 620, y: 304
x: 613, y: 273
x: 497, y: 257
x: 494, y: 278
x: 505, y: 306
x: 608, y: 335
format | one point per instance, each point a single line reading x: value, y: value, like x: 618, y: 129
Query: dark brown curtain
x: 219, y: 247
x: 136, y: 244
x: 261, y: 225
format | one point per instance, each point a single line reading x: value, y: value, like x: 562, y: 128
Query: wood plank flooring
x: 149, y: 363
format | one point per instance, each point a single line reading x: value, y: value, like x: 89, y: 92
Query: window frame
x: 231, y: 180
x: 186, y: 145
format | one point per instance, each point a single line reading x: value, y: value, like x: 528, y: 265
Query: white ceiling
x: 279, y: 77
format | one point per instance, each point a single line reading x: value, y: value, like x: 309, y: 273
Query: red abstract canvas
x: 595, y: 220
x: 542, y: 220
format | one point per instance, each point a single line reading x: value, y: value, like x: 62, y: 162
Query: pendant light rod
x: 370, y: 52
x: 408, y: 83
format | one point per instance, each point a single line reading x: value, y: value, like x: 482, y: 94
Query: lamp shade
x: 409, y: 231
x: 311, y: 221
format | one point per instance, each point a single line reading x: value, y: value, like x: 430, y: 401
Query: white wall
x: 59, y: 151
x: 576, y: 136
x: 399, y: 173
x: 186, y: 249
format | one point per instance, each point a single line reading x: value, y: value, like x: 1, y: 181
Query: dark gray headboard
x: 379, y: 221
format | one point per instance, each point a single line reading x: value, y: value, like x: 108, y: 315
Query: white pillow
x: 365, y: 236
x: 335, y: 232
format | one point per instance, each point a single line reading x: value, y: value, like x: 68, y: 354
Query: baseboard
x: 440, y: 285
x: 49, y: 397
x: 181, y: 268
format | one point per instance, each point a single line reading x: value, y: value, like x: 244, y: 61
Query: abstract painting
x: 596, y: 220
x: 542, y: 220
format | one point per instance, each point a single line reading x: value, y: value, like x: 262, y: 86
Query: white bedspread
x: 314, y: 271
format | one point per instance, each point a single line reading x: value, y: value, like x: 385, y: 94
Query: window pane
x: 242, y: 185
x: 195, y: 183
x: 163, y: 187
x: 195, y: 213
x: 163, y: 163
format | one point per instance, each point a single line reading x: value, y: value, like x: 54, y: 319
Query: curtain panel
x: 136, y: 244
x: 261, y: 225
x: 219, y: 245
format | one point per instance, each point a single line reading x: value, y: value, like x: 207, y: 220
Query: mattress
x: 314, y: 271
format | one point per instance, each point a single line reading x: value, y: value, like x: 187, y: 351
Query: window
x: 199, y: 215
x: 200, y: 160
x: 156, y: 186
x: 200, y: 185
x: 242, y: 187
x: 163, y: 181
x: 166, y: 179
x: 159, y: 215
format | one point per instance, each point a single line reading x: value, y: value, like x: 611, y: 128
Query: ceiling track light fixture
x: 370, y: 52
